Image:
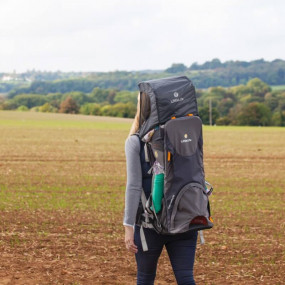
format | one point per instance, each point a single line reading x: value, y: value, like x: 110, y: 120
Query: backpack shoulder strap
x: 143, y: 200
x: 143, y: 196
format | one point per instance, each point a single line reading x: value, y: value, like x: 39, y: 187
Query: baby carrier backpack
x: 173, y: 145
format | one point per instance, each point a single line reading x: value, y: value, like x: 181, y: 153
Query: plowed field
x: 62, y: 184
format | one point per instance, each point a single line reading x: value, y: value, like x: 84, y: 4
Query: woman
x: 180, y: 247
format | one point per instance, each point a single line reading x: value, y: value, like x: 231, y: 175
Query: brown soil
x: 62, y: 200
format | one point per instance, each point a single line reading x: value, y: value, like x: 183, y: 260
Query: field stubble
x: 62, y: 180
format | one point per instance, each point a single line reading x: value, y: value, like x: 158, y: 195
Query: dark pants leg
x: 147, y: 260
x: 181, y: 250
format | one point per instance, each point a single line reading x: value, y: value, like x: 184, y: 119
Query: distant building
x: 7, y: 78
x: 11, y: 77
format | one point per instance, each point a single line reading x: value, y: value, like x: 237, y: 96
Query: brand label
x: 176, y: 99
x: 186, y: 140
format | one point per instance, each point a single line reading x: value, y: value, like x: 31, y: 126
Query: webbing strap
x: 146, y: 153
x: 202, y: 240
x: 147, y: 225
x: 143, y: 240
x: 143, y: 198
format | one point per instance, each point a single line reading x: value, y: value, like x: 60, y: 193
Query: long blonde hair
x: 143, y: 111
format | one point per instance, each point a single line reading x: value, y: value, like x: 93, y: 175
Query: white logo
x: 175, y: 100
x: 186, y: 139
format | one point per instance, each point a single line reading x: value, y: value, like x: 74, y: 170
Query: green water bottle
x: 157, y: 192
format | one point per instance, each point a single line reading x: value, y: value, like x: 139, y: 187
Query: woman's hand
x: 129, y: 239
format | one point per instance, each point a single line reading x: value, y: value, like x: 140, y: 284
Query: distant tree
x: 278, y: 118
x: 225, y: 105
x: 199, y: 93
x: 126, y: 110
x: 271, y: 101
x: 35, y: 109
x: 218, y: 92
x: 194, y: 66
x: 47, y: 108
x: 281, y: 101
x: 234, y: 113
x: 111, y: 96
x: 2, y: 99
x: 8, y: 86
x: 126, y: 96
x: 55, y: 104
x: 204, y: 115
x: 215, y: 63
x: 257, y: 87
x: 85, y: 109
x: 54, y: 96
x: 257, y: 61
x: 8, y: 105
x: 29, y: 100
x: 176, y: 67
x: 223, y: 121
x: 79, y: 97
x: 69, y: 106
x: 90, y: 109
x: 107, y: 110
x: 239, y: 91
x: 23, y: 108
x: 99, y: 95
x: 255, y: 114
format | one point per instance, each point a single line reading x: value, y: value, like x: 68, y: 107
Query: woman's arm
x: 134, y: 180
x: 133, y: 189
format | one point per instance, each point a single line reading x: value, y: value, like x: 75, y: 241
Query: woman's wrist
x: 129, y: 229
x: 128, y: 225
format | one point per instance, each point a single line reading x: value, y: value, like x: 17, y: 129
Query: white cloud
x: 106, y: 35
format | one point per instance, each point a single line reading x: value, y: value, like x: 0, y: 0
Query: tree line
x: 209, y: 74
x: 101, y: 102
x: 231, y: 73
x: 253, y: 103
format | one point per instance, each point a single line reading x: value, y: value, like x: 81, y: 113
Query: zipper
x: 172, y: 199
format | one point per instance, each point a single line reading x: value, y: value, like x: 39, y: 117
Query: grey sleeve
x: 134, y: 180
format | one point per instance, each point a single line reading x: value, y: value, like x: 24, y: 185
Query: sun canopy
x: 169, y: 97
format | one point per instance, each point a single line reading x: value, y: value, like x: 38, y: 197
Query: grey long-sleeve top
x: 134, y: 180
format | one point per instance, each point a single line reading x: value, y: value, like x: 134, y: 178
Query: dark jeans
x: 181, y: 251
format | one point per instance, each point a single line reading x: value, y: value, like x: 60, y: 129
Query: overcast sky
x: 108, y: 35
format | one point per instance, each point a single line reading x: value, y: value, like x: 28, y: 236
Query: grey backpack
x: 174, y: 147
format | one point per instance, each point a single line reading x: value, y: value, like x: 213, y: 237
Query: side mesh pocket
x: 160, y: 224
